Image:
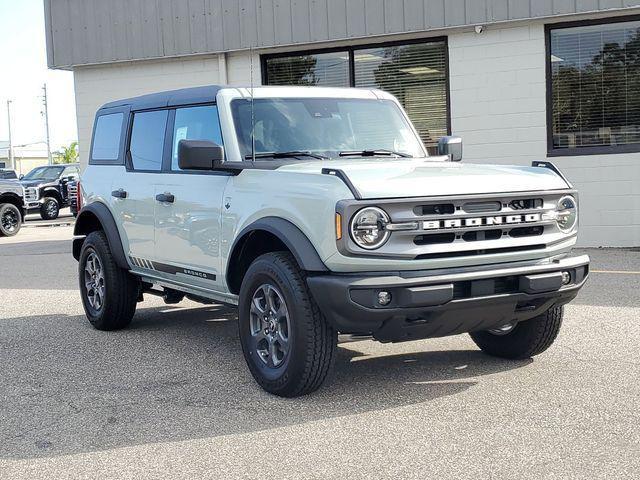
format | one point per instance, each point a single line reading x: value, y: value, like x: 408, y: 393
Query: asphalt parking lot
x: 171, y: 396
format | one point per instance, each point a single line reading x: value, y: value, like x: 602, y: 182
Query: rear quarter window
x: 106, y: 138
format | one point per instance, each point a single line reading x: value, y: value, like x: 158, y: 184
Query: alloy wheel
x: 94, y: 281
x: 10, y: 221
x: 269, y: 325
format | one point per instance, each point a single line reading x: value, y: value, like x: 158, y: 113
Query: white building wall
x: 498, y: 106
x: 97, y: 85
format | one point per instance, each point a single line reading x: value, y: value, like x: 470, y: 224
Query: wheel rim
x: 94, y: 281
x: 270, y: 325
x: 503, y: 330
x: 51, y: 208
x: 10, y: 221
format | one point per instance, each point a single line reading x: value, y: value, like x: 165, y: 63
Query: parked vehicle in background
x: 6, y: 174
x: 11, y: 207
x: 321, y: 214
x: 72, y: 192
x: 46, y: 190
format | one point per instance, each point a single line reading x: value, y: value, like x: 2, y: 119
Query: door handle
x: 119, y: 193
x: 165, y: 198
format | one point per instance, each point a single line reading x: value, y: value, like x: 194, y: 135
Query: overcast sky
x: 22, y: 74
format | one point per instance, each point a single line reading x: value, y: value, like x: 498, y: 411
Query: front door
x: 188, y: 207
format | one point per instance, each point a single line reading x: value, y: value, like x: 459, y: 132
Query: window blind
x: 595, y: 85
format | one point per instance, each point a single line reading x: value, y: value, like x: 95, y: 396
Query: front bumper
x: 446, y: 302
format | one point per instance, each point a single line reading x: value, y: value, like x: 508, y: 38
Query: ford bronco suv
x: 46, y: 189
x: 318, y: 211
x: 11, y: 207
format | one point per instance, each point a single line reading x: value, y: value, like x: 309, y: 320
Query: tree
x: 67, y: 154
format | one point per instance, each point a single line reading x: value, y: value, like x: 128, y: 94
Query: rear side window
x: 106, y: 138
x: 147, y: 140
x: 195, y: 123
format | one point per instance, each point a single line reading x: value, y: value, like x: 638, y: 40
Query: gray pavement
x: 171, y: 396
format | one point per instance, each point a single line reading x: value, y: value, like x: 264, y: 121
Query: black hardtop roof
x: 184, y: 96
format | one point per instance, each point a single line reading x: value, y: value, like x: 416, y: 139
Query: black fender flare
x: 301, y: 247
x: 86, y: 223
x: 53, y: 192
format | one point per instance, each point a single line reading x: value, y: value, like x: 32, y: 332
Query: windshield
x: 324, y: 126
x: 44, y: 173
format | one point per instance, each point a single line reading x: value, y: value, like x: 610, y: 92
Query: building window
x: 416, y: 73
x: 594, y: 98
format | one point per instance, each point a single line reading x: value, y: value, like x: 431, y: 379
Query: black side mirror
x: 199, y: 155
x: 21, y: 177
x: 452, y: 147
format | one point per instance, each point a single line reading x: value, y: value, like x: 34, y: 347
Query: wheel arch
x: 95, y: 217
x: 52, y: 192
x: 14, y: 199
x: 266, y: 235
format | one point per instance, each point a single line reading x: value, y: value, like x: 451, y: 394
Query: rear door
x: 133, y: 193
x: 188, y: 221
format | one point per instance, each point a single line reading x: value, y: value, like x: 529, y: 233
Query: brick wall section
x: 498, y: 106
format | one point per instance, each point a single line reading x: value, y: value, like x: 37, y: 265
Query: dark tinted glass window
x: 195, y: 123
x: 147, y: 140
x: 595, y: 82
x: 415, y: 73
x: 106, y: 138
x: 324, y: 69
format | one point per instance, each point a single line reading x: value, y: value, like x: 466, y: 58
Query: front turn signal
x: 338, y: 226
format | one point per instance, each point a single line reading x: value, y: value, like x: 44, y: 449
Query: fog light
x: 384, y: 298
x: 566, y: 278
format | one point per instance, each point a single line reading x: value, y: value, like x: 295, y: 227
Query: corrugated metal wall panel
x: 83, y: 32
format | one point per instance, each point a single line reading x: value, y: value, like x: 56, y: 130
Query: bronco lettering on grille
x: 481, y: 221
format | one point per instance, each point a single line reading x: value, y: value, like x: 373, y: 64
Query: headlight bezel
x: 384, y: 220
x: 560, y: 216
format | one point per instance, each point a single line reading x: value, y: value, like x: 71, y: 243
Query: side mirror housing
x: 452, y: 147
x: 21, y: 177
x: 199, y: 155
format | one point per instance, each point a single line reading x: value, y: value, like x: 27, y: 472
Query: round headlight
x: 567, y: 213
x: 368, y: 228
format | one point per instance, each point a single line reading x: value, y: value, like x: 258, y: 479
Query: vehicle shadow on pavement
x: 179, y: 374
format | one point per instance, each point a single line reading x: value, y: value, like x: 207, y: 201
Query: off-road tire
x: 527, y: 339
x: 312, y: 340
x: 121, y: 288
x: 9, y: 209
x: 47, y: 211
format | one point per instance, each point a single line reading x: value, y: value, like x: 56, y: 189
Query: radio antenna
x: 253, y: 117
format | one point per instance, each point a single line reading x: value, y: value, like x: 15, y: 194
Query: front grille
x: 31, y: 194
x: 72, y: 192
x: 470, y: 225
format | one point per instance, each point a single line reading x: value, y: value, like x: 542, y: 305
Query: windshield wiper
x: 293, y: 153
x: 373, y: 153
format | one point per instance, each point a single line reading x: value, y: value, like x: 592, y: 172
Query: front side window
x: 147, y: 140
x: 323, y: 126
x: 195, y: 123
x: 44, y: 173
x: 106, y: 138
x: 595, y: 88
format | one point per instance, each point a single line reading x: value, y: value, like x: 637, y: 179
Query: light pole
x: 46, y: 122
x: 10, y: 152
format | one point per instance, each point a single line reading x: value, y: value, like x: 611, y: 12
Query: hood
x: 34, y: 183
x: 396, y: 178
